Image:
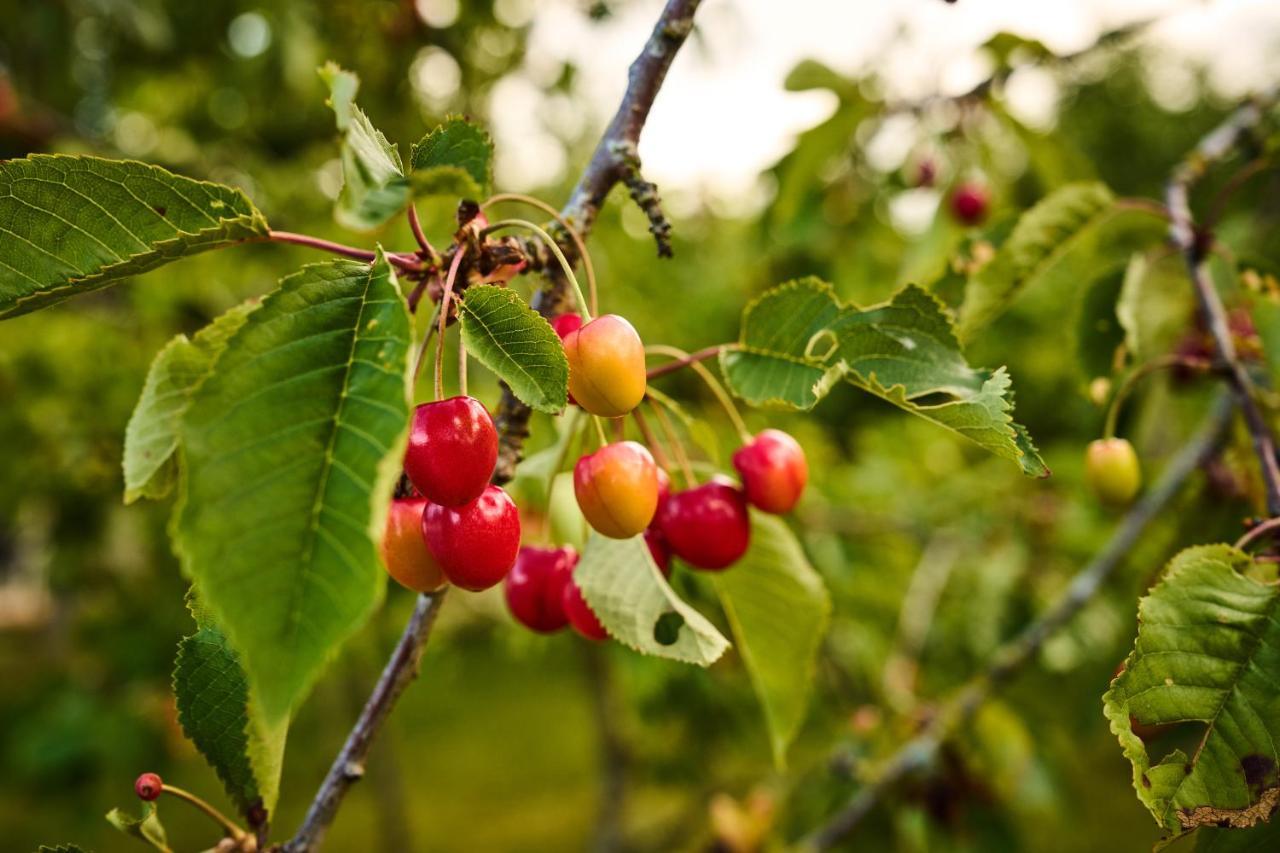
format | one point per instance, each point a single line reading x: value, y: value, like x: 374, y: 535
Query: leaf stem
x: 555, y: 250
x: 700, y: 355
x: 578, y: 242
x: 726, y: 402
x: 218, y: 817
x: 1257, y: 532
x: 408, y: 264
x: 426, y: 343
x: 415, y: 225
x: 443, y: 315
x: 1126, y: 387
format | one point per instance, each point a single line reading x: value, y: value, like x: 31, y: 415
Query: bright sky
x: 723, y: 115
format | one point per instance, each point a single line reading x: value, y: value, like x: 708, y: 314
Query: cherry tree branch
x: 921, y: 751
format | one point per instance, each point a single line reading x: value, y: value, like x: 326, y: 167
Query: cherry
x: 774, y: 471
x: 706, y: 526
x: 535, y: 587
x: 579, y: 613
x: 475, y: 544
x: 563, y: 324
x: 659, y: 550
x: 617, y: 489
x: 664, y: 487
x: 148, y: 787
x: 1111, y: 469
x: 453, y: 447
x: 404, y: 550
x: 606, y: 366
x: 969, y: 203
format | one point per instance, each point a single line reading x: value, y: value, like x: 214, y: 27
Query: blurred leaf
x: 1003, y: 46
x: 374, y: 186
x: 1098, y: 330
x: 1264, y: 838
x: 457, y: 143
x: 151, y: 438
x: 83, y: 223
x: 61, y: 848
x: 798, y: 341
x: 518, y: 344
x: 1207, y: 649
x: 778, y: 609
x: 290, y: 450
x: 445, y: 180
x: 145, y: 828
x: 629, y: 596
x: 810, y: 74
x: 1041, y: 237
x: 567, y: 523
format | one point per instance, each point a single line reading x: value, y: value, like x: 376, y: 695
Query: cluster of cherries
x: 464, y: 531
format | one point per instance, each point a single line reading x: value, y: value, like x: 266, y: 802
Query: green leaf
x: 778, y: 609
x: 1207, y: 651
x: 61, y: 848
x: 212, y: 694
x: 518, y: 344
x: 145, y: 828
x: 1042, y: 236
x: 798, y: 340
x: 73, y: 224
x: 151, y: 438
x: 445, y: 180
x: 374, y: 186
x: 1263, y: 838
x: 1099, y: 334
x: 629, y: 596
x: 290, y: 450
x: 457, y: 143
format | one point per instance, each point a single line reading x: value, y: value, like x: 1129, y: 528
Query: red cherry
x: 453, y: 447
x: 475, y: 544
x: 617, y: 489
x: 148, y: 787
x: 579, y: 613
x: 706, y: 526
x: 535, y: 587
x: 969, y: 203
x: 566, y: 323
x: 659, y: 550
x: 774, y: 471
x: 664, y: 487
x: 404, y: 550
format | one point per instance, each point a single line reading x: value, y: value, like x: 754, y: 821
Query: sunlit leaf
x: 518, y: 344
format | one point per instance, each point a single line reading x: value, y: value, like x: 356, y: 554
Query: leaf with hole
x: 72, y: 224
x: 518, y: 344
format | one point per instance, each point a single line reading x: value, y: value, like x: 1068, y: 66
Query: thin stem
x: 668, y: 429
x: 426, y: 344
x: 1257, y: 532
x: 1142, y: 205
x: 700, y: 355
x: 555, y: 250
x: 218, y: 817
x: 1126, y: 388
x: 595, y: 419
x: 578, y: 242
x: 444, y: 317
x: 408, y: 264
x: 650, y: 439
x: 415, y: 225
x: 462, y: 367
x: 722, y: 395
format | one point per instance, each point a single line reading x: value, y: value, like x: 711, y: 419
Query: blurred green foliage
x: 497, y: 746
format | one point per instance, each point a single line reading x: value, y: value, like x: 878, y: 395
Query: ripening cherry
x: 453, y: 447
x: 658, y: 549
x: 404, y: 550
x: 606, y: 366
x: 1112, y: 470
x: 476, y: 544
x: 707, y: 526
x: 579, y: 613
x: 774, y: 471
x: 148, y: 787
x: 969, y: 203
x: 617, y: 489
x: 535, y: 586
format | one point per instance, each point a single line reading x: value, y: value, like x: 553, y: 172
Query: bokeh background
x: 778, y: 157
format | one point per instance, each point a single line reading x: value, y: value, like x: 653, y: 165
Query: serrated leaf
x: 1040, y: 238
x: 778, y: 609
x: 146, y: 828
x: 73, y: 224
x: 633, y: 601
x: 516, y: 343
x: 798, y: 340
x: 151, y: 438
x: 212, y: 695
x: 1208, y: 649
x: 290, y: 450
x: 374, y: 186
x: 457, y: 143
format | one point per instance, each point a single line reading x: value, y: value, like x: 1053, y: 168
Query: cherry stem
x: 578, y: 242
x: 218, y: 817
x: 1130, y: 381
x: 555, y: 250
x: 595, y: 419
x: 714, y: 384
x: 409, y: 264
x: 462, y: 366
x: 677, y: 447
x: 1143, y: 205
x: 673, y: 366
x: 444, y: 317
x: 649, y: 438
x: 426, y: 342
x: 415, y: 225
x: 1257, y: 532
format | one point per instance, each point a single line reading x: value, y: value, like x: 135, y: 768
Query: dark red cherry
x: 476, y: 544
x: 659, y: 550
x: 773, y: 470
x: 148, y: 787
x: 706, y: 526
x: 579, y: 613
x: 535, y: 587
x: 969, y: 203
x: 453, y: 447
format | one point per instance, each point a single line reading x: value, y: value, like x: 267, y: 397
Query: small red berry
x: 566, y: 323
x: 969, y: 203
x: 404, y: 550
x: 453, y: 447
x: 535, y: 587
x: 476, y: 544
x: 658, y: 549
x: 606, y: 366
x: 706, y: 526
x: 774, y: 471
x: 148, y: 787
x: 579, y: 613
x: 617, y: 489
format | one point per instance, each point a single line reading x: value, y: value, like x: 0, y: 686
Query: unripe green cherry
x: 606, y: 366
x: 1111, y: 468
